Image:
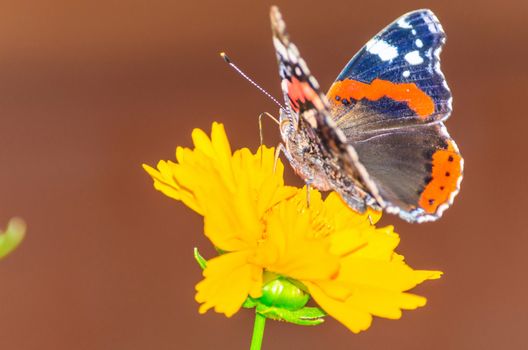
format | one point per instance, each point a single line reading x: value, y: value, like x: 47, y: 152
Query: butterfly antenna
x: 239, y: 71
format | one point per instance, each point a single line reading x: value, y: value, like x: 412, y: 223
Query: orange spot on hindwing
x: 447, y: 169
x: 416, y: 99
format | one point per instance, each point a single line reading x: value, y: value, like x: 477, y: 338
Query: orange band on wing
x: 302, y: 92
x: 416, y: 99
x: 447, y: 169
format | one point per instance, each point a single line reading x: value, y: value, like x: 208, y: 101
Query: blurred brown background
x: 89, y: 90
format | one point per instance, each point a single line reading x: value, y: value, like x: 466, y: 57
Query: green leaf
x: 199, y: 259
x: 11, y: 238
x: 307, y: 316
x: 309, y: 313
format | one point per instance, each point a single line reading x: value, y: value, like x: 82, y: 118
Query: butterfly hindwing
x: 417, y: 170
x: 395, y: 79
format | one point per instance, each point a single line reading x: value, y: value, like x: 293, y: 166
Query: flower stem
x: 258, y: 332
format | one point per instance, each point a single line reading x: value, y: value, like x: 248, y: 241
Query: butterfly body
x: 377, y: 137
x: 319, y: 165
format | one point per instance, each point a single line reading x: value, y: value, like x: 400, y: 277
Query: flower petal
x: 166, y: 183
x: 356, y: 310
x: 369, y: 287
x: 300, y: 240
x: 389, y: 275
x: 354, y: 319
x: 228, y: 281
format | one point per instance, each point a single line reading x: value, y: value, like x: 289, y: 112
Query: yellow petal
x: 389, y: 275
x: 165, y: 183
x: 221, y: 146
x: 356, y: 310
x: 301, y: 248
x: 369, y: 286
x: 354, y: 319
x: 384, y: 303
x: 229, y: 279
x: 231, y: 191
x: 351, y: 231
x: 372, y: 279
x: 202, y: 142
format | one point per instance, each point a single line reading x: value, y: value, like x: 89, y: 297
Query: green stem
x: 258, y: 332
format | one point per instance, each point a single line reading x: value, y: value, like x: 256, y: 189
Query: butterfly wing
x: 390, y: 101
x: 318, y: 150
x: 379, y: 141
x: 395, y: 79
x: 417, y: 170
x: 301, y: 90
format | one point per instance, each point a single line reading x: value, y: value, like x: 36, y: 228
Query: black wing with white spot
x: 395, y: 79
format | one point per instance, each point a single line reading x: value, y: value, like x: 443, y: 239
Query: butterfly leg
x: 308, y: 187
x: 280, y: 148
x: 261, y: 134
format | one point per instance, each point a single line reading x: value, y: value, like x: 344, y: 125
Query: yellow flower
x: 265, y: 228
x: 231, y: 191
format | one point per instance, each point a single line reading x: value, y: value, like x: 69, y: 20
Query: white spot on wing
x: 309, y: 116
x: 418, y: 43
x: 433, y: 24
x: 402, y: 23
x: 384, y: 50
x: 429, y: 53
x: 392, y: 210
x: 414, y: 57
x: 293, y: 50
x: 293, y: 59
x: 280, y: 47
x: 314, y: 82
x: 406, y: 74
x: 303, y: 66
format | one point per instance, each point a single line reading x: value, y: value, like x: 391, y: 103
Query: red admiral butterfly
x: 377, y: 137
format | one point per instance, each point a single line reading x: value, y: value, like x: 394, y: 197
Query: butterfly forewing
x: 390, y: 101
x: 395, y: 79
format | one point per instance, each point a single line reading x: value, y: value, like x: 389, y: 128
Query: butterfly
x: 377, y: 137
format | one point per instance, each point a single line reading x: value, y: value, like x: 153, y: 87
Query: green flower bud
x: 284, y: 294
